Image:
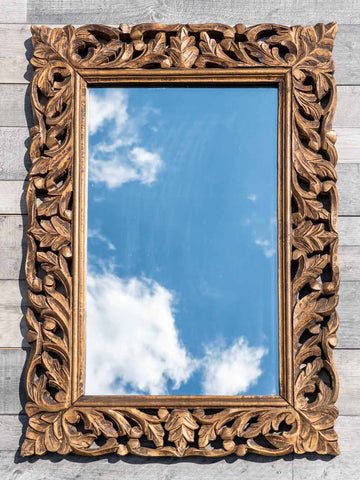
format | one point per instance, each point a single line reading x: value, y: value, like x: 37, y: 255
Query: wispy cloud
x: 118, y: 157
x: 133, y: 321
x: 136, y: 164
x: 231, y: 371
x: 268, y: 249
x: 107, y: 106
x: 95, y: 233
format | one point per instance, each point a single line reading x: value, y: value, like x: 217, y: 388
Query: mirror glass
x: 182, y: 287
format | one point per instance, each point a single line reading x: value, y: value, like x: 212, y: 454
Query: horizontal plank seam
x: 116, y: 25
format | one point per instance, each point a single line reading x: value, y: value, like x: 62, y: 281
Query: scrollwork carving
x: 303, y: 425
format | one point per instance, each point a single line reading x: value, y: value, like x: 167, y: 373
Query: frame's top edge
x: 184, y: 46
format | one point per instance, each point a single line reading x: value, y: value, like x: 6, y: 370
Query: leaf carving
x: 183, y: 51
x: 181, y: 426
x: 310, y: 237
x: 60, y: 57
x: 53, y: 233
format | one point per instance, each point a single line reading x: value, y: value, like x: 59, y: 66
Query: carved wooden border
x: 65, y: 58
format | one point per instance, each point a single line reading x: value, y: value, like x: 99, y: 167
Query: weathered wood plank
x: 347, y: 364
x: 13, y: 12
x: 345, y: 466
x: 14, y: 142
x: 349, y: 263
x: 348, y: 187
x: 12, y: 310
x: 348, y: 107
x: 348, y: 145
x: 14, y: 158
x: 12, y: 363
x: 15, y: 53
x: 174, y: 11
x: 346, y: 55
x: 12, y: 193
x: 348, y: 310
x: 13, y: 306
x: 131, y: 467
x: 12, y: 251
x: 12, y: 197
x: 349, y: 231
x: 15, y: 109
x: 17, y: 50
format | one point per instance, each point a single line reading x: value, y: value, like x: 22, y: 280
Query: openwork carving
x: 302, y: 423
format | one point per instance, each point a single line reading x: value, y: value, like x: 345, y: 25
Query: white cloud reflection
x: 95, y: 233
x: 136, y: 164
x: 111, y: 106
x: 267, y: 247
x: 133, y: 345
x: 132, y: 342
x: 231, y: 371
x: 118, y: 157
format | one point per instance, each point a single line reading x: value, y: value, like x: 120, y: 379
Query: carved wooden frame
x: 301, y: 418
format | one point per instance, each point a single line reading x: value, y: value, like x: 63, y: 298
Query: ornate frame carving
x: 301, y: 418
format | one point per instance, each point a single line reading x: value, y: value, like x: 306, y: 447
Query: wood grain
x: 13, y: 12
x: 348, y: 145
x: 349, y: 231
x: 15, y: 109
x: 12, y: 197
x: 182, y: 11
x: 12, y: 362
x: 348, y: 110
x: 12, y: 241
x: 12, y: 310
x: 348, y: 186
x: 349, y: 263
x: 134, y: 468
x: 15, y: 53
x: 14, y: 157
x: 348, y: 309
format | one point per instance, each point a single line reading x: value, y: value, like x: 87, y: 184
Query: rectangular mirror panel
x: 182, y: 265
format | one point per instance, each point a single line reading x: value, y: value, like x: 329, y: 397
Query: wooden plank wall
x: 15, y: 119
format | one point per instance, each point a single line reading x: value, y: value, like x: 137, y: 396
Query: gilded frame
x: 300, y: 419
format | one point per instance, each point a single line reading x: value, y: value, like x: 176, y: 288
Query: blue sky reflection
x: 182, y: 241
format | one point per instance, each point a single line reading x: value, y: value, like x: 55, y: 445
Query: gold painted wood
x: 302, y: 418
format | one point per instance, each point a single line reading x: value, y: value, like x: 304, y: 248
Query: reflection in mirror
x: 182, y: 241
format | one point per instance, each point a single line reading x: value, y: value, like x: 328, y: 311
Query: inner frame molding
x: 300, y: 419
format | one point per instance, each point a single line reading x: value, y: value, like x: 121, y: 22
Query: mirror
x: 182, y: 271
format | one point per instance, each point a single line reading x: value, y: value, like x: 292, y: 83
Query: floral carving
x: 304, y: 423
